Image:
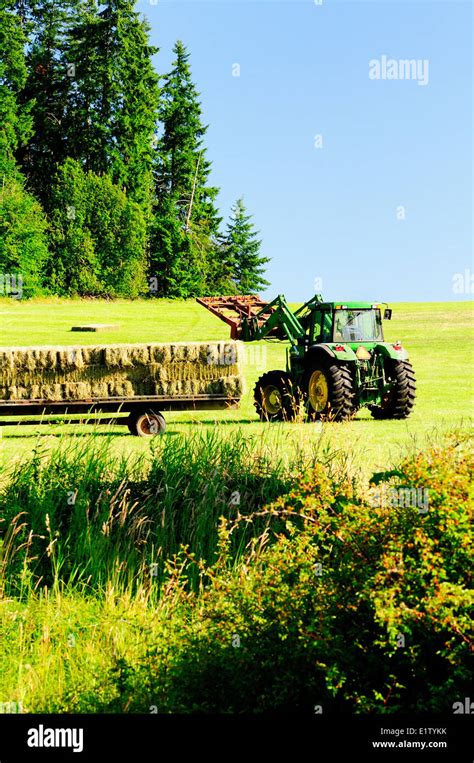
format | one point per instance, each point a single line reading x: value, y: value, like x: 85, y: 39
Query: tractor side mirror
x: 387, y: 314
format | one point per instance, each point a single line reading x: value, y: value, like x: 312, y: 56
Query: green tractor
x: 337, y: 359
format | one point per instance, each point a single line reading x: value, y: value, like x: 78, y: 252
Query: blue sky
x: 383, y: 208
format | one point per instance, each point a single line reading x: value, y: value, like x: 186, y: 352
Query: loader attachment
x: 237, y: 308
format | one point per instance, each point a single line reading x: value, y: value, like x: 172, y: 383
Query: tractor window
x: 358, y: 326
x: 326, y: 333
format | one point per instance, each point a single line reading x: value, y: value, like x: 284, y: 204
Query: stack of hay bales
x: 121, y: 370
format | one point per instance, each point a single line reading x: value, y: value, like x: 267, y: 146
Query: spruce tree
x: 221, y: 269
x: 186, y: 221
x: 47, y: 88
x: 243, y: 249
x: 112, y: 114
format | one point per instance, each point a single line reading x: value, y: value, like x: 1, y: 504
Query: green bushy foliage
x: 315, y: 617
x: 98, y: 237
x: 23, y: 242
x: 308, y: 617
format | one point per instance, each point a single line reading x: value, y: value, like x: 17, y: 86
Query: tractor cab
x: 351, y: 322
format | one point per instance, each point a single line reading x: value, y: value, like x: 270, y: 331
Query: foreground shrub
x: 364, y: 608
x: 343, y: 602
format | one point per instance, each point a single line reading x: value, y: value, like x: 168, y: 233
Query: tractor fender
x: 389, y: 351
x: 328, y: 350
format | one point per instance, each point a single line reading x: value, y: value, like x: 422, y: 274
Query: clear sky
x: 380, y: 205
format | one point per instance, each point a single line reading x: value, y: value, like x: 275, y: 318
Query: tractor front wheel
x: 399, y: 402
x: 275, y: 399
x: 329, y: 391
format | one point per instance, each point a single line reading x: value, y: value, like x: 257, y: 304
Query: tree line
x: 104, y: 176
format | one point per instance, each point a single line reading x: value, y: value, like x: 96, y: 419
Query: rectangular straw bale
x: 93, y: 356
x: 121, y: 388
x: 6, y: 360
x: 117, y: 357
x: 140, y: 356
x: 17, y: 392
x: 47, y: 359
x: 32, y: 359
x: 70, y: 358
x: 76, y: 391
x: 25, y: 360
x: 160, y: 353
x: 84, y: 373
x: 51, y: 392
x: 99, y: 389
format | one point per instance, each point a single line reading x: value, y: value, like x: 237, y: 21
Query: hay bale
x: 140, y: 356
x: 96, y: 327
x: 93, y: 356
x: 117, y: 357
x: 160, y: 354
x: 51, y: 392
x: 6, y: 360
x: 76, y: 391
x: 125, y: 371
x: 71, y: 358
x: 99, y: 389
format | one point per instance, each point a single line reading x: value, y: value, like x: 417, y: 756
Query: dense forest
x: 104, y: 176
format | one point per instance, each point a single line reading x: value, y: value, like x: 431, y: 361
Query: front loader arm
x: 251, y: 319
x: 275, y: 319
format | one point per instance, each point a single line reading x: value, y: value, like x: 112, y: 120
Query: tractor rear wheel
x: 274, y: 397
x: 328, y: 390
x: 398, y: 404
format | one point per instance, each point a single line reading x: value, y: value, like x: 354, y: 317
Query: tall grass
x: 311, y: 614
x: 81, y: 514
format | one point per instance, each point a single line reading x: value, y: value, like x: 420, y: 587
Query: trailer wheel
x: 274, y: 397
x: 146, y: 423
x: 329, y: 392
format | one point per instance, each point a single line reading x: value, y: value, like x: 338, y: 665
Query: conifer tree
x: 186, y: 221
x: 112, y: 115
x: 243, y: 248
x: 47, y: 88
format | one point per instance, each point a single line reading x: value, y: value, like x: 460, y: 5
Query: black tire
x: 328, y: 390
x: 146, y: 423
x: 399, y: 403
x: 274, y: 397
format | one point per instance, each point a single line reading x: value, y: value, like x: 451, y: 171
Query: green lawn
x: 438, y: 336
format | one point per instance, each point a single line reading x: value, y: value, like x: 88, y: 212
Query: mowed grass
x: 438, y: 336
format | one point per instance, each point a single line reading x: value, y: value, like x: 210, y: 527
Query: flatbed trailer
x: 145, y: 414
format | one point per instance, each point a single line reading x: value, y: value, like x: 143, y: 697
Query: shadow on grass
x: 38, y: 433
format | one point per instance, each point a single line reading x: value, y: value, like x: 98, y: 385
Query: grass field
x: 127, y: 571
x: 438, y: 336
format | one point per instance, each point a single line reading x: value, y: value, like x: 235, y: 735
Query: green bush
x: 23, y: 243
x: 98, y: 237
x: 279, y: 632
x: 340, y: 601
